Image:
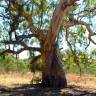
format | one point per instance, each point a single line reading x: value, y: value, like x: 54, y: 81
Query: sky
x: 24, y: 55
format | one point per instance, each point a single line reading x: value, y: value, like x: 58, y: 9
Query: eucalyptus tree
x: 44, y: 20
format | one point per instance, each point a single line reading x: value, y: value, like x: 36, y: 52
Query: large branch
x: 21, y: 50
x: 91, y: 33
x: 15, y: 42
x: 85, y: 10
x: 61, y: 10
x: 27, y: 36
x: 73, y: 22
x: 40, y: 35
x: 28, y: 16
x: 26, y: 47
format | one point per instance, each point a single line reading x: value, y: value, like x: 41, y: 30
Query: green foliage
x: 87, y: 62
x: 10, y: 63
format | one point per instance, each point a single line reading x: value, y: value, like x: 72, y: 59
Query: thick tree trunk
x: 53, y: 74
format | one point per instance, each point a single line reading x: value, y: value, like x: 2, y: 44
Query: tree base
x: 54, y: 82
x: 53, y: 74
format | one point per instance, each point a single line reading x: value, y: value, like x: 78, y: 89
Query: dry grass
x: 15, y: 79
x: 84, y: 81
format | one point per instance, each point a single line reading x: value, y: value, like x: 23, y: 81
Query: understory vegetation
x: 83, y: 63
x: 10, y: 63
x: 87, y: 63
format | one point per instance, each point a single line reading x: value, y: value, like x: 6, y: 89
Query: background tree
x: 44, y: 20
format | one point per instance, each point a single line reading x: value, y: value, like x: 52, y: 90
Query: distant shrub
x: 10, y: 63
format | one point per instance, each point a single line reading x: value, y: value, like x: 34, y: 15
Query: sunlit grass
x: 17, y: 79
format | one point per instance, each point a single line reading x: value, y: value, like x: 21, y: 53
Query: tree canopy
x: 23, y: 19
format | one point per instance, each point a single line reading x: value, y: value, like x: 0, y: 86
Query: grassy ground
x: 84, y: 81
x: 16, y: 79
x: 18, y: 84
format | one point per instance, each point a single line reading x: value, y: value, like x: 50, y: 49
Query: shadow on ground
x: 37, y: 90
